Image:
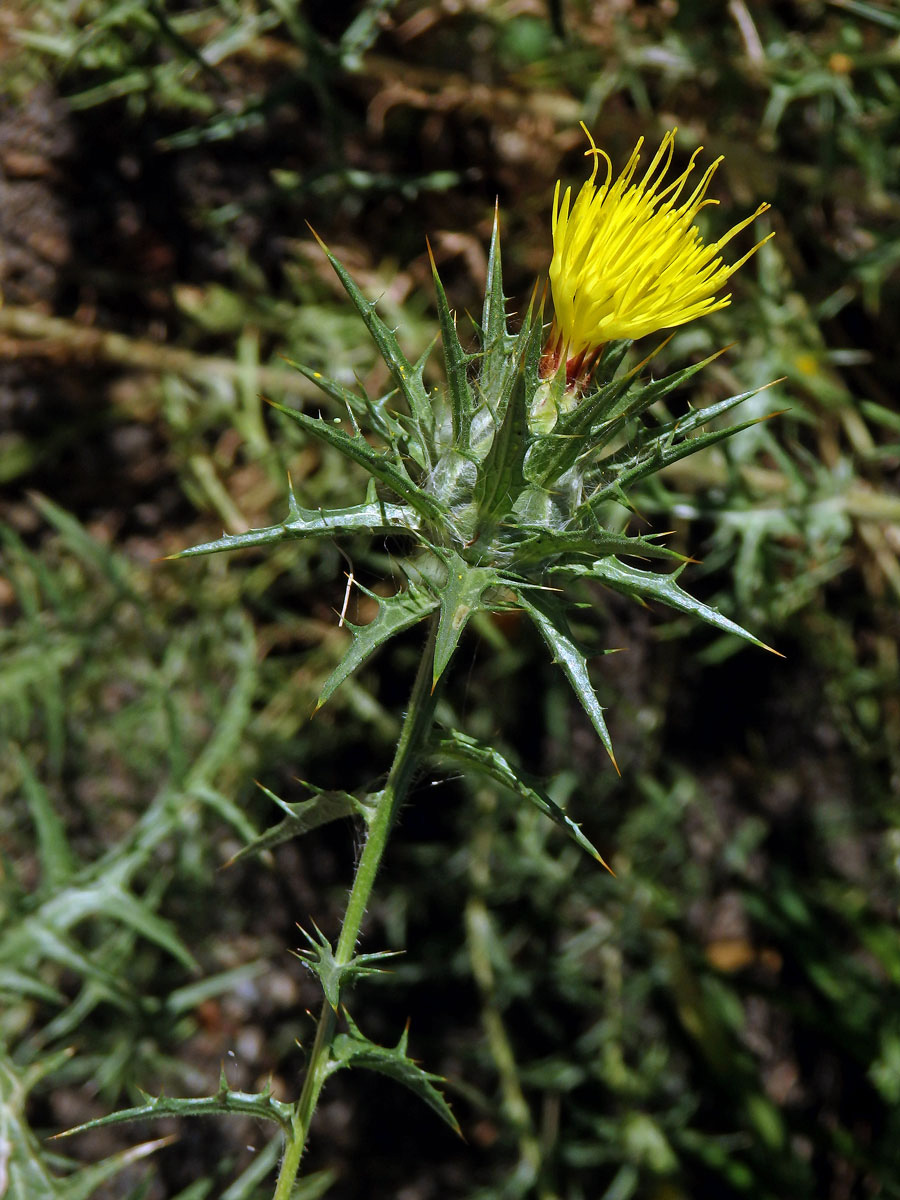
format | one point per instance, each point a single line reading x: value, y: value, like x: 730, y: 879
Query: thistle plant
x: 501, y: 486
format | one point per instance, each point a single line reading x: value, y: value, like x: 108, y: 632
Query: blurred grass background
x: 722, y: 1019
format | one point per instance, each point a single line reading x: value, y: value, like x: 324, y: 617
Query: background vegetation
x: 722, y: 1019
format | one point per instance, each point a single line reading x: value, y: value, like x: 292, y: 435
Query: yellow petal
x: 627, y: 257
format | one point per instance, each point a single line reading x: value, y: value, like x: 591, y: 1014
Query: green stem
x: 416, y: 728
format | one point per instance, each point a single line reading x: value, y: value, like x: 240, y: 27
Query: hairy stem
x: 416, y: 728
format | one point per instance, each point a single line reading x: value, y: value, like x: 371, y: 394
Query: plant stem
x: 416, y: 728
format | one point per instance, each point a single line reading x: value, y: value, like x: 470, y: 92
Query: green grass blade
x: 57, y: 860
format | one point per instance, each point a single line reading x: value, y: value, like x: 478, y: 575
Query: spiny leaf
x: 494, y: 337
x: 261, y: 1105
x: 462, y: 403
x: 548, y: 615
x: 395, y: 613
x: 336, y: 977
x: 460, y: 597
x: 377, y: 464
x: 353, y: 1049
x: 407, y: 378
x: 658, y: 455
x: 301, y: 817
x: 521, y: 353
x: 539, y: 544
x: 648, y: 585
x: 490, y: 762
x: 647, y: 394
x: 612, y: 357
x: 500, y: 477
x: 668, y: 444
x: 599, y: 419
x: 552, y: 454
x: 313, y: 522
x: 381, y: 421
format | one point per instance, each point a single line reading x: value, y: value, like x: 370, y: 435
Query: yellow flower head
x: 627, y: 258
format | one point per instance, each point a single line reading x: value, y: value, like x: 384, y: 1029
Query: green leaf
x: 612, y: 357
x: 375, y: 462
x: 313, y: 522
x: 490, y: 762
x: 462, y: 401
x: 648, y: 585
x: 44, y: 932
x: 21, y: 984
x: 198, y: 1190
x: 336, y: 977
x: 381, y: 421
x: 34, y: 939
x: 599, y: 419
x: 225, y: 808
x: 407, y: 378
x: 56, y: 858
x: 549, y: 616
x: 667, y: 445
x: 500, y: 476
x: 353, y: 1049
x: 111, y: 566
x: 186, y: 999
x: 552, y: 454
x: 647, y: 394
x: 494, y: 337
x: 131, y: 911
x: 261, y: 1105
x: 301, y: 817
x: 395, y: 613
x: 460, y: 597
x: 540, y: 543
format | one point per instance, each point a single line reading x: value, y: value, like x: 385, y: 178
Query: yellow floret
x: 627, y: 258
